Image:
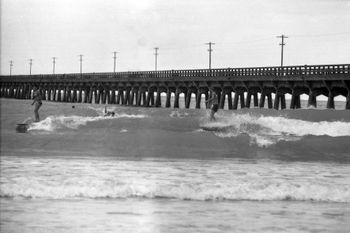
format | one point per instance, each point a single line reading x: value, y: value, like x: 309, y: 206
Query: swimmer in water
x: 38, y: 102
x: 108, y: 113
x: 214, y: 104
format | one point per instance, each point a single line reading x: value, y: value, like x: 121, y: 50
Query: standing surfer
x: 214, y: 104
x: 38, y: 102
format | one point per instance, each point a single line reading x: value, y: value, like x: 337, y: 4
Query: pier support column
x: 330, y: 102
x: 75, y: 95
x: 283, y: 101
x: 176, y: 100
x: 241, y: 96
x: 312, y: 99
x: 59, y: 95
x: 88, y: 93
x: 112, y: 100
x: 168, y: 98
x: 222, y: 99
x: 131, y: 97
x: 262, y: 99
x: 144, y: 98
x: 229, y: 99
x: 139, y: 97
x: 149, y: 97
x: 118, y: 96
x: 104, y: 95
x: 269, y: 100
x: 198, y: 99
x: 235, y: 100
x: 206, y: 96
x: 256, y: 100
x: 152, y: 99
x: 295, y: 101
x: 158, y: 99
x: 347, y: 105
x: 248, y: 100
x: 188, y: 99
x: 276, y: 101
x: 97, y: 96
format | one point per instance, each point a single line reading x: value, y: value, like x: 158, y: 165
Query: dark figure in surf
x: 214, y: 105
x: 108, y: 113
x: 38, y: 102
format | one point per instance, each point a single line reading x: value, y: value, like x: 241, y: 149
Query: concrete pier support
x: 138, y: 97
x: 330, y: 101
x: 198, y: 99
x: 312, y: 102
x: 279, y: 101
x: 188, y: 98
x: 229, y: 99
x: 263, y: 96
x: 177, y: 96
x: 239, y: 96
x: 295, y: 101
x: 168, y: 98
x: 222, y: 99
x: 112, y: 99
x: 158, y: 99
x: 347, y: 105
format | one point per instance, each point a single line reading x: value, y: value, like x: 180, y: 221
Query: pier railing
x: 276, y: 71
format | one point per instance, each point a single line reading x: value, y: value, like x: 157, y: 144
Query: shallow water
x: 157, y: 170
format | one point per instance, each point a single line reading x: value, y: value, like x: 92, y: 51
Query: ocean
x: 172, y: 170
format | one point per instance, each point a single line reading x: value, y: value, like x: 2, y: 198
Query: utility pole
x: 156, y: 55
x: 282, y: 44
x: 53, y: 64
x: 11, y: 65
x: 81, y: 63
x: 115, y: 61
x: 30, y: 66
x: 210, y: 50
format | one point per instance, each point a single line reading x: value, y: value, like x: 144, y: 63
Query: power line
x: 210, y: 50
x: 322, y: 35
x: 282, y: 45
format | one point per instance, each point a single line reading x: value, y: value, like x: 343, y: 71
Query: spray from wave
x: 268, y: 130
x: 52, y: 123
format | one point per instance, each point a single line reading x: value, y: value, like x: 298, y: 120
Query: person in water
x: 214, y: 104
x: 38, y: 102
x: 108, y: 113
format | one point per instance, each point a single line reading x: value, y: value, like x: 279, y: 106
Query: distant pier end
x: 144, y: 88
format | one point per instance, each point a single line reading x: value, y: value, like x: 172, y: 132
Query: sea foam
x: 268, y: 130
x: 52, y: 123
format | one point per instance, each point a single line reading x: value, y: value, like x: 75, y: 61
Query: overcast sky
x: 244, y: 33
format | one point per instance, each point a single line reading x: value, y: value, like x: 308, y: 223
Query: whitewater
x: 157, y: 170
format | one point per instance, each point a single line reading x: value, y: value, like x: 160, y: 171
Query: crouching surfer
x: 214, y: 104
x: 108, y: 113
x: 37, y: 103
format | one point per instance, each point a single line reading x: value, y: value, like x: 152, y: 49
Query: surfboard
x: 216, y: 128
x: 22, y: 128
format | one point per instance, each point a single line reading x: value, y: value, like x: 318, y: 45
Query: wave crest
x: 248, y: 191
x: 52, y: 123
x: 268, y: 130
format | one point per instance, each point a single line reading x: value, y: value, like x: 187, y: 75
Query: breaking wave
x: 259, y: 190
x: 52, y: 123
x: 268, y: 130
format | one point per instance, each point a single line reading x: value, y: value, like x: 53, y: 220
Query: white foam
x: 267, y: 130
x: 255, y: 189
x: 52, y: 123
